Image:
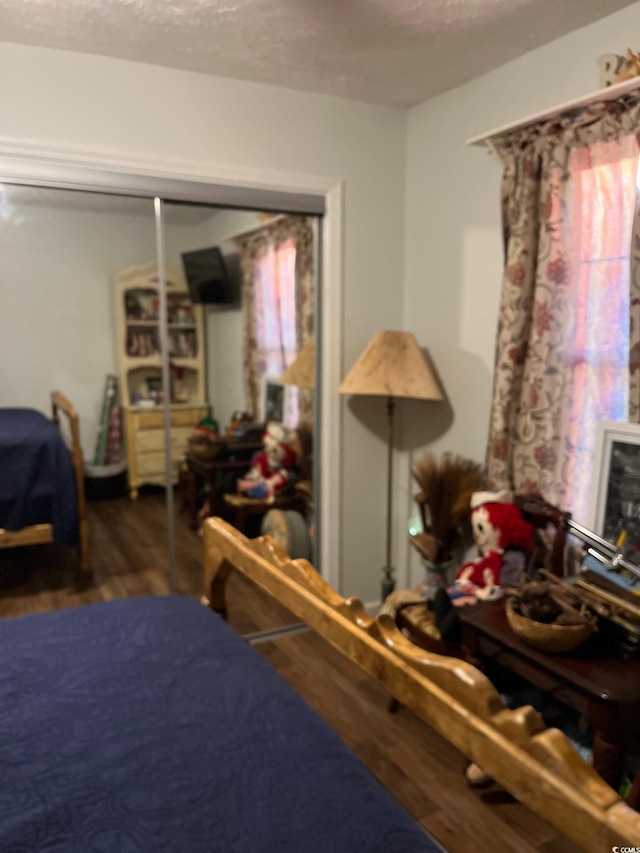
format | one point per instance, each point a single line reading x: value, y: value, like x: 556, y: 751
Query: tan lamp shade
x: 302, y: 371
x: 392, y: 365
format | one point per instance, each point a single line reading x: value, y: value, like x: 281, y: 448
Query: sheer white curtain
x: 275, y: 317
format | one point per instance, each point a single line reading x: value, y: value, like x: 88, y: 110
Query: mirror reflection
x: 85, y: 314
x: 252, y: 278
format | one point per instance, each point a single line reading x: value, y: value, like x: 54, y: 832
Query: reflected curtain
x: 568, y: 341
x: 264, y: 261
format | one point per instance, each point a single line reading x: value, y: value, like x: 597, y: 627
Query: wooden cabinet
x: 139, y: 346
x: 146, y: 443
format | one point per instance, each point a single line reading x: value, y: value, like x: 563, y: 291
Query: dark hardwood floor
x: 128, y: 544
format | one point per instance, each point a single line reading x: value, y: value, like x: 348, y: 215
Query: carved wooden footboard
x: 535, y: 764
x: 40, y: 534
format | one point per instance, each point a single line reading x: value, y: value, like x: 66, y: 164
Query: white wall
x: 57, y: 269
x: 190, y: 237
x: 58, y: 264
x: 199, y: 125
x: 453, y: 237
x: 224, y: 325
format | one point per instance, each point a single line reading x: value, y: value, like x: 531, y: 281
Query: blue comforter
x: 149, y: 725
x: 37, y: 480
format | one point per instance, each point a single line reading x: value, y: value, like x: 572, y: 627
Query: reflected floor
x: 129, y: 558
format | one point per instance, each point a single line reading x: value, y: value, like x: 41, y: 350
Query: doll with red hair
x: 504, y: 539
x: 274, y: 468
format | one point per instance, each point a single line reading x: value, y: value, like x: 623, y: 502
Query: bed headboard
x: 535, y: 764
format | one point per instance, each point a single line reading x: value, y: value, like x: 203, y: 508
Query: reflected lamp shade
x: 302, y: 370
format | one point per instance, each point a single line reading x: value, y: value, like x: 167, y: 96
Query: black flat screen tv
x: 211, y: 277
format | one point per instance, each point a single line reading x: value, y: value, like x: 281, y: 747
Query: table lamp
x: 391, y: 366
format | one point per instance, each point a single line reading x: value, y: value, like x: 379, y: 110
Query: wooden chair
x: 550, y: 524
x: 203, y: 482
x: 247, y: 513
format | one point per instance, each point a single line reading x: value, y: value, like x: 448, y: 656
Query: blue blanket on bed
x: 37, y: 480
x: 149, y: 725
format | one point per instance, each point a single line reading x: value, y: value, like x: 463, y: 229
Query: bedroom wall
x: 191, y: 123
x: 189, y: 237
x: 453, y: 238
x: 224, y: 325
x: 57, y: 269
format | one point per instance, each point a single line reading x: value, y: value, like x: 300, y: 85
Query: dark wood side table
x: 602, y: 687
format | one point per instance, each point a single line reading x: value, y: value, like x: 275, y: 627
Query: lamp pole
x: 388, y: 581
x: 391, y: 366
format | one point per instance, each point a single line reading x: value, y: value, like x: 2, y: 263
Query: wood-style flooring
x: 128, y: 545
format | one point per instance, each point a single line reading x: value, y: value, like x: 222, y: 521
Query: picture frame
x: 615, y: 493
x: 274, y: 398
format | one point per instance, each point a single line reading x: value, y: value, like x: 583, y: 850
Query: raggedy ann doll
x: 273, y: 469
x: 503, y: 538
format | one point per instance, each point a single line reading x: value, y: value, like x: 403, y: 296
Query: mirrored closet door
x: 62, y: 252
x: 150, y: 370
x: 252, y: 281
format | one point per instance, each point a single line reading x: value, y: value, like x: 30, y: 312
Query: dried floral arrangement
x: 549, y: 614
x: 630, y: 67
x: 551, y: 601
x: 446, y: 485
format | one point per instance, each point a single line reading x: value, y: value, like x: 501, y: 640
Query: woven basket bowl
x: 204, y: 450
x: 547, y: 638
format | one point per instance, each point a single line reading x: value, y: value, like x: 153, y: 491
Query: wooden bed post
x: 60, y: 402
x: 216, y: 572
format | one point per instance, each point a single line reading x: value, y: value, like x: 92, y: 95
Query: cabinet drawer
x: 150, y: 463
x: 153, y: 439
x: 181, y: 418
x: 188, y: 417
x: 149, y: 439
x: 153, y: 463
x: 148, y: 420
x: 180, y: 438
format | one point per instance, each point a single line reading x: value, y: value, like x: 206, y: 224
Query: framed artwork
x: 274, y: 400
x: 615, y: 493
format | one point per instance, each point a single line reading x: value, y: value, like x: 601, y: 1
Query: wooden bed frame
x: 41, y: 534
x: 537, y: 765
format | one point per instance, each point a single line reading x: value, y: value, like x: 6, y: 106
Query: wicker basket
x: 206, y: 451
x: 547, y: 638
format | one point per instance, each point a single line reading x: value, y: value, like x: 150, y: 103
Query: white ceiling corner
x: 394, y: 52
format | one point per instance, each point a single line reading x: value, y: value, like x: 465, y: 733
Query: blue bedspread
x: 37, y: 480
x: 149, y: 725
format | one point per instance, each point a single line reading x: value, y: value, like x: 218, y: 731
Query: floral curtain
x: 567, y: 348
x: 297, y: 232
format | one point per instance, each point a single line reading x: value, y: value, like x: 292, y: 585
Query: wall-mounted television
x: 212, y: 278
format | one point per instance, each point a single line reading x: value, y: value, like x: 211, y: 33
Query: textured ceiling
x: 396, y: 52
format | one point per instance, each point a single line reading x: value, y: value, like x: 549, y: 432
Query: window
x: 597, y: 351
x: 275, y: 299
